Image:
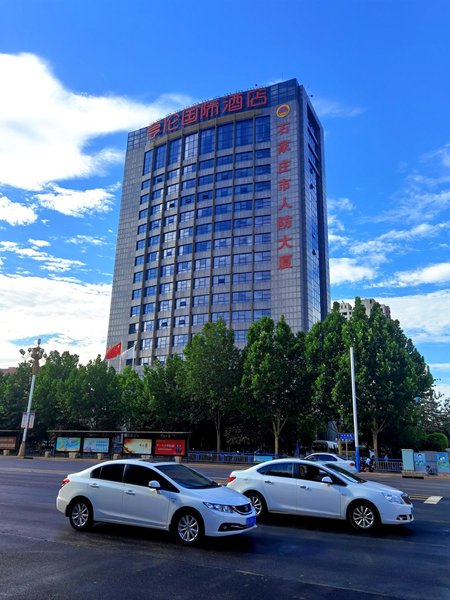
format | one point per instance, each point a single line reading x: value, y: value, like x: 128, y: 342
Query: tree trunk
x: 217, y: 423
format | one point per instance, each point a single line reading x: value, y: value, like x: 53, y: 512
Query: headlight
x: 220, y: 507
x: 392, y: 498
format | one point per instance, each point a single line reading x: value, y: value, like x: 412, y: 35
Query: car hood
x: 378, y: 487
x: 218, y: 495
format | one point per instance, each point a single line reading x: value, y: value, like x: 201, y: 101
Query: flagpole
x: 134, y: 355
x: 120, y: 357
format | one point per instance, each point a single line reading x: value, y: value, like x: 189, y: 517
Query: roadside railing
x: 391, y: 465
x: 247, y: 458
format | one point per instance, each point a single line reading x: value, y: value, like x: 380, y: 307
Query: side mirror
x: 327, y: 479
x: 154, y: 485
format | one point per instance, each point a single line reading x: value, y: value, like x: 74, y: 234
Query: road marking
x: 433, y: 500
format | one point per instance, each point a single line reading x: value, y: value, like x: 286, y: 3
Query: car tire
x: 187, y: 527
x: 258, y: 503
x: 81, y: 514
x: 363, y: 516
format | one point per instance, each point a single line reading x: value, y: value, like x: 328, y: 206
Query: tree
x: 271, y: 374
x: 213, y: 371
x: 14, y: 396
x: 134, y: 407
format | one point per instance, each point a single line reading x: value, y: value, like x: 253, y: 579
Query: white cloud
x: 344, y: 270
x: 440, y: 366
x: 54, y: 310
x: 76, y: 203
x: 16, y: 214
x: 39, y: 243
x: 424, y: 317
x: 48, y: 262
x: 340, y: 204
x: 79, y: 240
x: 45, y: 129
x: 332, y: 108
x: 434, y: 274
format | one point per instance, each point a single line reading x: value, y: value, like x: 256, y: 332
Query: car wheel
x: 258, y: 502
x: 188, y: 527
x: 81, y: 514
x: 363, y: 516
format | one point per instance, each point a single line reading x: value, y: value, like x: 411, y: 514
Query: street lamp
x: 35, y: 354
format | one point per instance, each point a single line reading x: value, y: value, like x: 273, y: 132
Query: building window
x: 221, y: 279
x: 180, y: 321
x: 160, y: 156
x: 222, y: 225
x: 243, y: 205
x: 262, y: 129
x: 222, y: 261
x: 204, y: 212
x: 262, y: 153
x: 242, y: 223
x: 141, y: 229
x: 174, y: 174
x: 149, y: 291
x: 224, y: 192
x: 154, y: 240
x: 184, y: 284
x: 139, y: 260
x: 244, y: 132
x: 151, y: 274
x: 261, y: 312
x: 200, y: 300
x: 241, y: 315
x: 134, y: 312
x: 202, y: 263
x: 262, y: 203
x: 165, y: 305
x: 171, y: 220
x: 156, y: 194
x: 187, y: 200
x: 172, y: 189
x: 147, y: 343
x: 162, y: 342
x: 181, y: 302
x: 247, y: 172
x: 203, y: 229
x: 180, y: 339
x: 243, y: 156
x: 136, y: 294
x: 242, y: 259
x: 140, y: 245
x: 223, y: 209
x: 144, y: 199
x: 201, y: 282
x: 148, y: 308
x: 152, y: 256
x: 223, y: 298
x: 245, y: 188
x: 224, y: 176
x: 242, y: 278
x: 204, y: 196
x: 189, y: 169
x: 261, y: 295
x: 240, y: 336
x: 262, y: 186
x: 145, y: 184
x: 184, y: 267
x: 215, y: 316
x: 186, y: 232
x: 170, y: 236
x: 190, y: 146
x: 242, y: 240
x: 147, y: 326
x: 225, y: 136
x: 156, y: 209
x: 167, y: 270
x: 206, y: 164
x: 188, y: 185
x: 158, y: 179
x: 137, y: 277
x: 132, y: 328
x: 200, y: 319
x: 262, y: 170
x: 174, y: 151
x: 155, y: 224
x: 242, y: 297
x: 207, y: 141
x: 166, y: 288
x: 168, y: 252
x: 222, y: 242
x: 262, y: 256
x: 163, y: 323
x: 186, y: 216
x: 205, y: 180
x: 147, y: 162
x: 203, y: 246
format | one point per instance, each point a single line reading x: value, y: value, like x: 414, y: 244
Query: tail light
x: 231, y: 478
x: 64, y: 481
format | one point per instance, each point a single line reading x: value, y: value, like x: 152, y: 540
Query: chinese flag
x: 114, y: 351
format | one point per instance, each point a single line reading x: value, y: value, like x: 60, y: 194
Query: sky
x: 77, y: 75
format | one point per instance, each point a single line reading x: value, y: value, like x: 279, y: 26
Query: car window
x: 109, y: 472
x: 186, y: 477
x: 140, y: 475
x: 281, y: 470
x: 311, y: 473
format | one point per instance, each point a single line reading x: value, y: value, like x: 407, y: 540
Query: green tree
x: 213, y: 372
x: 272, y: 376
x: 134, y: 408
x: 14, y: 396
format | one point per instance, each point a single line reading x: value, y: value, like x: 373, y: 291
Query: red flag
x: 114, y: 351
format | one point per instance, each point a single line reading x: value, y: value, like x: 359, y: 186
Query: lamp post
x: 35, y: 354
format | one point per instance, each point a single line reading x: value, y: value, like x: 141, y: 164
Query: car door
x: 105, y: 492
x: 315, y: 497
x: 141, y: 504
x: 279, y: 486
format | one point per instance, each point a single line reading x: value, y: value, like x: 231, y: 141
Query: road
x: 286, y: 557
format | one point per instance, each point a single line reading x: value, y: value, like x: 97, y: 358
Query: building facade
x: 346, y: 309
x: 223, y: 215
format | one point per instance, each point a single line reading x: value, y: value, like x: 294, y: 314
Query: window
x: 262, y: 170
x: 156, y: 209
x: 147, y: 162
x: 205, y: 180
x: 240, y: 336
x: 243, y: 156
x: 174, y: 151
x: 222, y: 298
x: 184, y: 284
x: 139, y: 260
x: 186, y: 216
x: 261, y: 295
x: 140, y: 245
x: 242, y: 240
x: 147, y: 343
x: 170, y: 220
x: 149, y: 291
x: 165, y: 288
x: 241, y: 315
x: 163, y: 323
x: 160, y: 156
x: 224, y: 160
x: 242, y: 259
x: 137, y: 277
x: 109, y: 472
x: 203, y: 246
x: 162, y: 342
x: 242, y: 296
x: 186, y: 232
x: 158, y: 179
x: 167, y: 270
x: 187, y: 200
x: 203, y: 229
x: 262, y: 220
x: 262, y: 186
x: 223, y: 209
x: 248, y: 172
x: 243, y: 205
x: 141, y: 229
x: 170, y: 236
x: 174, y: 174
x: 136, y: 294
x: 222, y: 242
x: 224, y: 192
x: 181, y: 339
x: 225, y: 136
x: 262, y: 256
x: 189, y: 184
x: 215, y: 316
x: 189, y: 169
x: 201, y: 282
x: 148, y: 308
x: 224, y: 176
x: 262, y: 153
x: 206, y: 164
x: 180, y: 321
x: 261, y: 276
x: 262, y: 129
x: 145, y: 184
x: 157, y: 194
x: 261, y: 312
x: 207, y: 141
x: 202, y: 263
x: 151, y: 274
x: 181, y: 302
x: 190, y: 146
x: 262, y: 203
x: 244, y: 132
x: 204, y: 212
x: 285, y: 470
x: 153, y: 240
x: 147, y: 326
x: 221, y: 279
x: 144, y: 199
x: 152, y: 256
x: 246, y: 188
x: 133, y: 328
x: 134, y: 312
x: 172, y: 189
x: 165, y: 305
x: 203, y: 196
x: 241, y: 223
x: 155, y: 224
x: 222, y: 225
x: 200, y: 300
x: 200, y: 319
x: 184, y: 249
x: 184, y: 267
x: 222, y: 261
x: 242, y: 278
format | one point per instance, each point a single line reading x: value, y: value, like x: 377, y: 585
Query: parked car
x: 324, y: 458
x: 162, y: 495
x: 300, y: 487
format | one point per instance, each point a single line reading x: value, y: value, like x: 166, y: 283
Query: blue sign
x: 346, y: 437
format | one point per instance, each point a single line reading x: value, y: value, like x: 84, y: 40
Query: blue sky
x: 77, y: 75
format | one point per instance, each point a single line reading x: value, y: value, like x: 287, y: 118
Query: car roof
x: 134, y: 461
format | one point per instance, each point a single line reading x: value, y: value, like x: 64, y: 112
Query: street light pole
x: 35, y: 354
x: 355, y: 414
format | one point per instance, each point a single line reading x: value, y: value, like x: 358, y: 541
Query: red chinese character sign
x: 284, y: 219
x: 251, y: 100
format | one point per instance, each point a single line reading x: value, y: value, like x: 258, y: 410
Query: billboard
x: 68, y: 444
x: 170, y: 447
x: 8, y: 442
x: 137, y: 446
x: 96, y: 445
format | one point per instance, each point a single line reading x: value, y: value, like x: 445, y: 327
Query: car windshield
x: 186, y: 477
x: 345, y: 474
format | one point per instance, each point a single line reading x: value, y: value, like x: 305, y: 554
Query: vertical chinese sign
x: 283, y: 166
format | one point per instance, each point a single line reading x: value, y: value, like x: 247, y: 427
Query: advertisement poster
x: 170, y: 447
x: 443, y: 465
x: 96, y: 445
x: 420, y: 464
x: 68, y: 444
x: 8, y: 442
x: 137, y: 446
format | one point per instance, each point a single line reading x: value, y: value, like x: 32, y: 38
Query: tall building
x: 223, y: 214
x: 346, y: 309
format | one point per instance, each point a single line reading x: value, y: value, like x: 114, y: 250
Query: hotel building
x: 223, y: 214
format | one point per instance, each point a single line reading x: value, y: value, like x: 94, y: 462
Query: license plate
x: 251, y: 520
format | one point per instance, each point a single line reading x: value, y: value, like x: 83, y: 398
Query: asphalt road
x: 41, y: 556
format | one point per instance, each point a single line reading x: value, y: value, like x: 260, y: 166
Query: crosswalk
x: 427, y: 499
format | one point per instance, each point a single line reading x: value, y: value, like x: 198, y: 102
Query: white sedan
x: 301, y: 487
x: 325, y: 458
x: 167, y: 496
